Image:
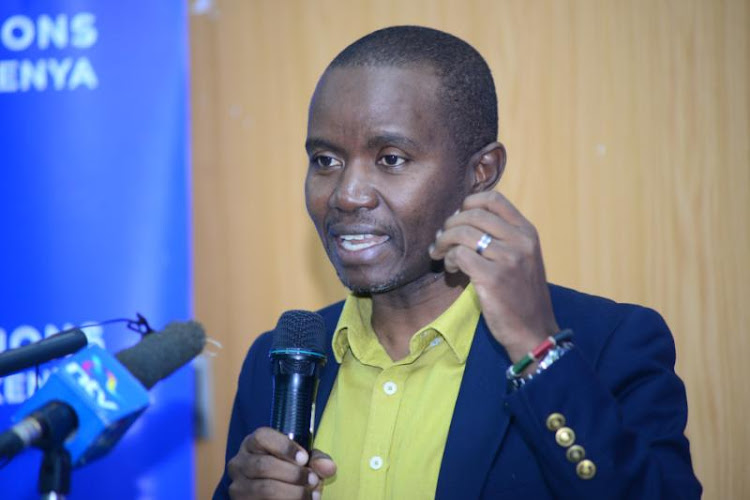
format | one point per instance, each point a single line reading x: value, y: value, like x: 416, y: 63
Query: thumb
x: 322, y: 464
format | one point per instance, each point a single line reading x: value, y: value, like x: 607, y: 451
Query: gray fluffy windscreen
x: 159, y: 354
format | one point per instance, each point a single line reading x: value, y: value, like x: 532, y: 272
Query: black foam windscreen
x: 159, y: 354
x: 300, y: 330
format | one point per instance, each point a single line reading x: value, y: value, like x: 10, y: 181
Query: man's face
x: 382, y: 176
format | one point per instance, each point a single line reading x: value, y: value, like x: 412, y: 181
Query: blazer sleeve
x: 627, y: 408
x: 251, y: 407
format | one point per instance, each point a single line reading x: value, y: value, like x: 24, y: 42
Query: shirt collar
x: 456, y: 325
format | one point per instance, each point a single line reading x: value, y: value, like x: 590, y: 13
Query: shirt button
x: 390, y: 388
x: 376, y: 462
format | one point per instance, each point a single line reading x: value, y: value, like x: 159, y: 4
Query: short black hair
x: 467, y: 90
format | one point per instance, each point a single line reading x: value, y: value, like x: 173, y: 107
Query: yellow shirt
x: 386, y: 422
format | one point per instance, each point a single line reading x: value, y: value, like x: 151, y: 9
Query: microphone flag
x: 105, y: 396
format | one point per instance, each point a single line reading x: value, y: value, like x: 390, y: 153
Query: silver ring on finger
x: 483, y: 243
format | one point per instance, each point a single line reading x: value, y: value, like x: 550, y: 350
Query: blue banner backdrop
x: 94, y: 213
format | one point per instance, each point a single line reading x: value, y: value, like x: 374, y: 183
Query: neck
x: 398, y: 314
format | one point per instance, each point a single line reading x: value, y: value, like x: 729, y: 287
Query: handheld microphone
x: 53, y: 347
x: 297, y: 358
x: 98, y: 395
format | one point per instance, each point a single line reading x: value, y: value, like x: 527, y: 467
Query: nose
x: 354, y: 189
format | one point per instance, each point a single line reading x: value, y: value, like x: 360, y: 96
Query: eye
x: 392, y: 160
x: 325, y: 162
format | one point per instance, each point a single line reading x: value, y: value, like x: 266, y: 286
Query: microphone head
x: 300, y: 331
x: 159, y: 354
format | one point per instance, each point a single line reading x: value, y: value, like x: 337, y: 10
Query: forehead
x: 360, y: 99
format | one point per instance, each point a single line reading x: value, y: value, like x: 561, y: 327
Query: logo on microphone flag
x: 101, y: 421
x: 93, y: 367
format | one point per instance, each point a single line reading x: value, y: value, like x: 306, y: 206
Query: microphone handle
x: 53, y: 347
x: 295, y: 385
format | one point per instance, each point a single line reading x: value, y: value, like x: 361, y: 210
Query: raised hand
x: 505, y: 266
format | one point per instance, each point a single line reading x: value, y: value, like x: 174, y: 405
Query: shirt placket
x: 385, y: 403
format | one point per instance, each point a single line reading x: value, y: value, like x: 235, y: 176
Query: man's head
x: 468, y: 102
x: 402, y: 127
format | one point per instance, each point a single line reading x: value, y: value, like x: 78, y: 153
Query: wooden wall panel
x: 628, y: 131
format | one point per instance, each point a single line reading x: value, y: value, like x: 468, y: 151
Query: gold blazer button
x: 586, y: 469
x: 555, y: 421
x: 575, y: 453
x: 565, y: 436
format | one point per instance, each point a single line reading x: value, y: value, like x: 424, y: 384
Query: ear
x: 487, y: 166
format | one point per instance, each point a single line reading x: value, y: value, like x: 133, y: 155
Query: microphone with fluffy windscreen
x: 92, y: 397
x: 297, y: 358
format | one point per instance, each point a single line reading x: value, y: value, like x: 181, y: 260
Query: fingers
x: 322, y: 464
x: 266, y: 489
x: 270, y: 465
x: 496, y: 203
x: 462, y: 258
x: 255, y: 466
x: 513, y: 237
x: 466, y: 228
x: 484, y: 220
x: 490, y: 212
x: 271, y: 441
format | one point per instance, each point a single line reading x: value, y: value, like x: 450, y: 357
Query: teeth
x: 356, y: 242
x: 350, y: 237
x: 353, y: 247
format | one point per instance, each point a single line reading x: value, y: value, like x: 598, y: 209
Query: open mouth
x: 359, y: 242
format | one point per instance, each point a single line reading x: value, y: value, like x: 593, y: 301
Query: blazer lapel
x: 331, y: 369
x: 479, y: 420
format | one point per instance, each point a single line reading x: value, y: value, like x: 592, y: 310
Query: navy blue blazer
x: 617, y: 391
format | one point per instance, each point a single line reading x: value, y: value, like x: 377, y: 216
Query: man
x: 449, y: 292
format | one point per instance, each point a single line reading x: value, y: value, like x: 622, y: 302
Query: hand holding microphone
x: 270, y: 465
x: 275, y: 462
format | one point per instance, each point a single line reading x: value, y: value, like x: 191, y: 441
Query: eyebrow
x: 317, y: 143
x: 388, y: 139
x: 376, y: 142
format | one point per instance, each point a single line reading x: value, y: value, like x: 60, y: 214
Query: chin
x: 364, y: 286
